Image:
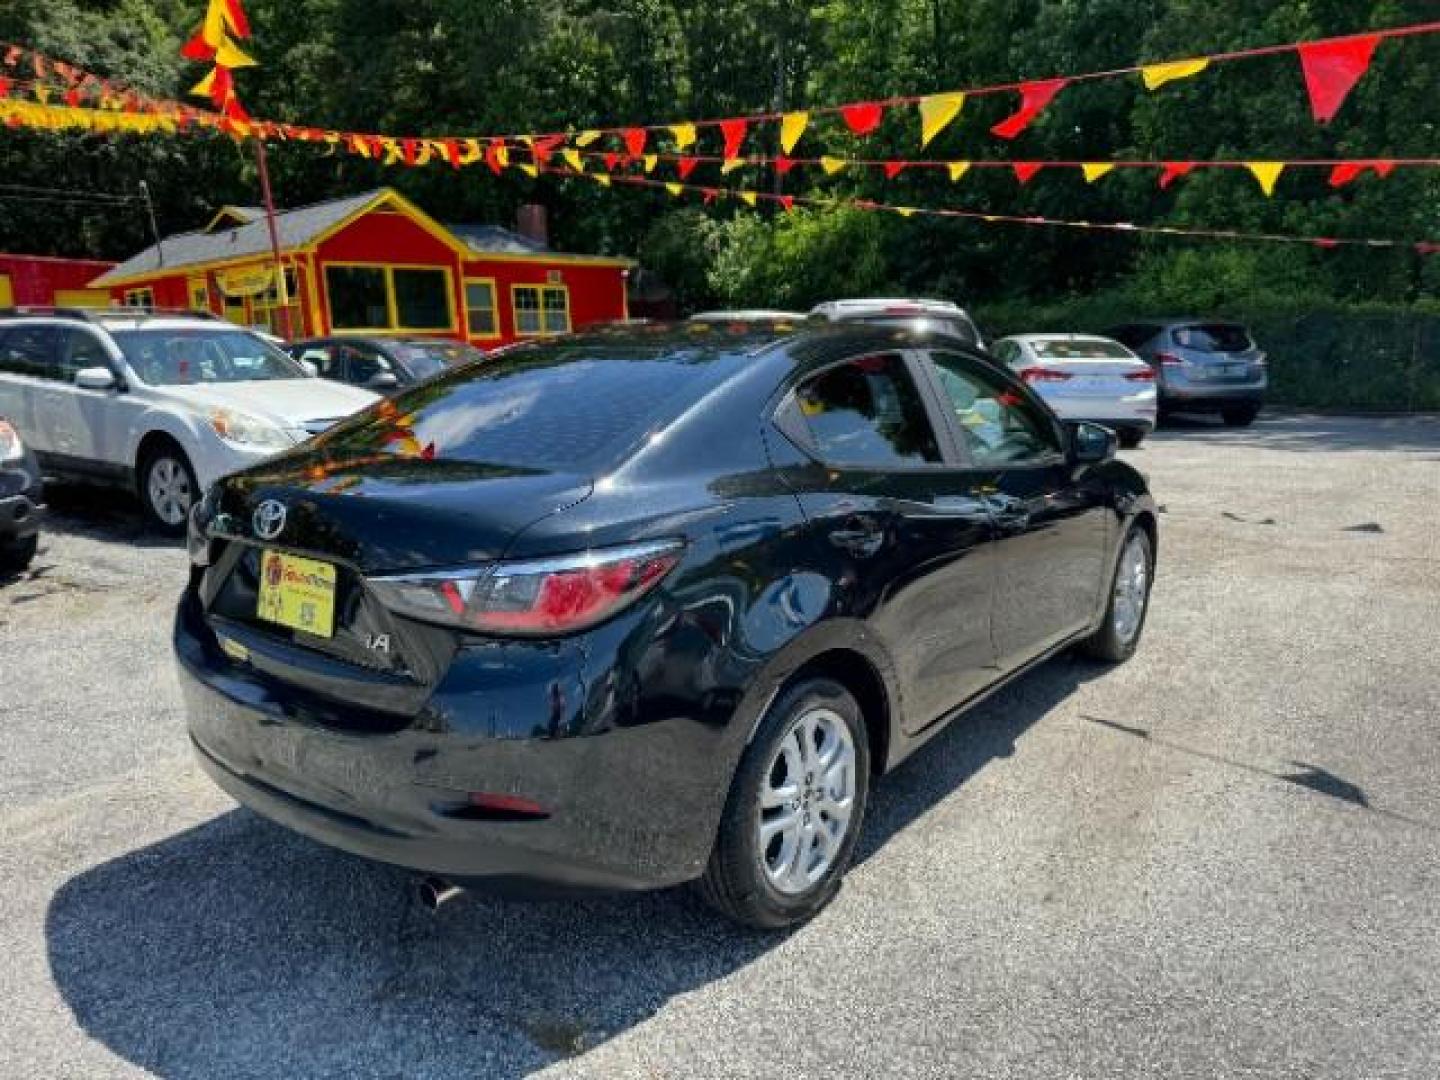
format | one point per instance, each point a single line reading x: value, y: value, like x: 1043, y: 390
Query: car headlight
x: 11, y: 448
x: 243, y: 430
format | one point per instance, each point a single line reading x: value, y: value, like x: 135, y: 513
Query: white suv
x: 166, y: 404
x: 939, y: 316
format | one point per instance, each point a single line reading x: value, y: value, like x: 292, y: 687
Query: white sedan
x: 1087, y: 378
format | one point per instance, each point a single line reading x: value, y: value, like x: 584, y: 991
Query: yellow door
x: 7, y: 295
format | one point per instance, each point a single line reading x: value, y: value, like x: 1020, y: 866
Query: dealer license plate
x: 297, y: 593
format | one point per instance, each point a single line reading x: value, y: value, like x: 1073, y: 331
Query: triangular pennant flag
x: 1157, y: 75
x: 958, y: 169
x: 788, y: 202
x: 1383, y: 168
x: 1094, y: 170
x: 749, y: 198
x: 863, y: 118
x: 611, y: 159
x: 206, y: 86
x: 684, y: 135
x: 675, y: 189
x: 229, y: 55
x: 587, y: 138
x: 784, y: 166
x: 734, y: 133
x: 1173, y: 171
x: 1346, y: 172
x: 649, y: 162
x: 1025, y: 170
x: 528, y: 169
x: 635, y: 140
x: 1332, y: 68
x: 236, y: 16
x: 573, y: 159
x: 792, y: 126
x: 730, y: 165
x: 832, y: 165
x: 1267, y: 173
x: 905, y: 211
x: 544, y: 149
x: 936, y: 113
x: 602, y: 179
x: 1034, y: 97
x: 894, y: 169
x: 685, y: 166
x: 198, y: 49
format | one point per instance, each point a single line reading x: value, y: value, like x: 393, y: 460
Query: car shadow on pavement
x: 101, y: 513
x: 238, y: 948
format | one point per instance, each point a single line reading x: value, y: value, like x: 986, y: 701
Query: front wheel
x: 168, y: 489
x: 1119, y: 635
x: 795, y: 808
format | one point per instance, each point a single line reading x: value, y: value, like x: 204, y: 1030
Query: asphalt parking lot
x: 1220, y: 860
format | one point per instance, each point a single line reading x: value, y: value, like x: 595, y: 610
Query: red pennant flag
x: 544, y: 149
x: 233, y: 110
x: 412, y: 151
x: 492, y: 156
x: 685, y: 166
x: 4, y: 88
x: 709, y: 194
x: 1326, y: 242
x: 1174, y: 170
x: 222, y: 88
x: 635, y: 139
x: 788, y: 202
x: 237, y: 18
x: 784, y: 165
x: 1332, y: 68
x: 1344, y: 174
x: 894, y: 169
x: 611, y: 160
x: 197, y: 48
x: 1035, y: 97
x: 863, y: 118
x: 734, y: 132
x: 72, y: 98
x: 452, y: 152
x: 1025, y: 170
x: 1383, y: 169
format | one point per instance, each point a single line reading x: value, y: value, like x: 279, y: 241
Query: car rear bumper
x: 1138, y: 412
x: 20, y: 515
x: 1212, y: 398
x: 403, y: 797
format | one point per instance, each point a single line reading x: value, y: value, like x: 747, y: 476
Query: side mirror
x: 96, y: 378
x: 1092, y: 444
x: 386, y: 380
x: 308, y: 366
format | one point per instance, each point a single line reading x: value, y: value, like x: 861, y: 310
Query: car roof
x: 865, y: 306
x: 750, y: 315
x: 1062, y: 337
x: 105, y: 320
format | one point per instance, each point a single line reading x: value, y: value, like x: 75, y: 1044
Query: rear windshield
x: 1214, y: 337
x: 1081, y: 349
x: 564, y: 408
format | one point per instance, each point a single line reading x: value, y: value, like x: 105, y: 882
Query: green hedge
x: 1323, y: 355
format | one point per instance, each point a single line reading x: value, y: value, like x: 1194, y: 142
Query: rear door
x: 92, y: 426
x: 907, y: 536
x: 1052, y: 520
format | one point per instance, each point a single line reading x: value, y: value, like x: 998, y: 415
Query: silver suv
x: 164, y: 403
x: 1202, y: 366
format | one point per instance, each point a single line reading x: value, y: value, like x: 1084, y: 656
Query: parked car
x: 628, y: 610
x: 1083, y: 377
x: 937, y: 316
x: 22, y: 504
x: 163, y: 403
x: 1203, y: 366
x: 384, y: 365
x: 750, y: 315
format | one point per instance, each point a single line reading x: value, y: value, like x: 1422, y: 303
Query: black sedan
x: 21, y: 503
x: 384, y: 365
x: 638, y: 608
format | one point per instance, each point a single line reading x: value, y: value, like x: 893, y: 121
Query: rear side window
x: 565, y: 408
x: 867, y: 413
x: 1214, y: 337
x: 32, y: 351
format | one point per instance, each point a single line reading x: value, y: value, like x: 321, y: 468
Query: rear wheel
x: 1240, y: 417
x: 1119, y: 635
x: 17, y: 556
x: 795, y: 808
x: 168, y: 488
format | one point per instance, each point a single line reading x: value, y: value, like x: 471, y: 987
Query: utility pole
x: 282, y: 291
x: 154, y: 228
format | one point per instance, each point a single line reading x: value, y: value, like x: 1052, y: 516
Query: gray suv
x: 1201, y: 366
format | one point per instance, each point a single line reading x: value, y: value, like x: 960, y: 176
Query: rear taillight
x: 10, y: 445
x: 533, y: 598
x: 1044, y: 375
x: 1145, y: 375
x: 1168, y: 359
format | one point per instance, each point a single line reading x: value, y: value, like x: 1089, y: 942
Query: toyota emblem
x: 269, y: 520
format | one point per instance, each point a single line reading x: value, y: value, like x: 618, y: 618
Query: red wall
x: 35, y: 279
x: 597, y: 293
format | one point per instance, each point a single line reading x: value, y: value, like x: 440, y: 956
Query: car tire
x: 1130, y: 438
x: 1239, y: 418
x: 779, y: 857
x: 15, y: 558
x: 1119, y: 635
x: 168, y: 488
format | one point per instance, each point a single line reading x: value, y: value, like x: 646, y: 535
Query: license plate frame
x: 297, y: 593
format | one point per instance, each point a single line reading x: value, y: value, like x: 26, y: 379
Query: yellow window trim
x: 133, y: 297
x: 471, y: 334
x: 540, y: 288
x: 391, y: 307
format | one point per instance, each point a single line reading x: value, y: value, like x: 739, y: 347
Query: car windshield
x: 564, y: 408
x: 184, y: 357
x: 1214, y: 337
x: 1081, y: 349
x: 427, y: 358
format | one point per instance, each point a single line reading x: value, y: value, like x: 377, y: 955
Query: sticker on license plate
x: 297, y: 593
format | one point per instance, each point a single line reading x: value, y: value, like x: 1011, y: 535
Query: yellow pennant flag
x: 832, y: 165
x: 203, y: 87
x: 675, y: 189
x: 731, y: 165
x: 936, y: 113
x: 1095, y: 170
x: 471, y: 153
x: 1268, y: 173
x: 602, y: 179
x: 529, y: 169
x: 749, y: 198
x: 651, y: 160
x: 905, y: 211
x: 1157, y: 75
x: 573, y: 159
x: 792, y: 126
x: 229, y: 55
x: 586, y: 138
x: 958, y: 169
x: 502, y: 157
x: 684, y: 135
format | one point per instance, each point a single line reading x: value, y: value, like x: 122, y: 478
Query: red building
x: 374, y: 264
x: 40, y: 281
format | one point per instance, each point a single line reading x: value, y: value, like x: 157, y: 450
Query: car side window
x: 867, y: 413
x: 365, y: 364
x: 1007, y: 352
x: 327, y: 361
x: 82, y: 350
x: 998, y: 424
x: 32, y: 351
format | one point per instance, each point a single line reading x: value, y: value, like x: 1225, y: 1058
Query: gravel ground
x: 1220, y: 859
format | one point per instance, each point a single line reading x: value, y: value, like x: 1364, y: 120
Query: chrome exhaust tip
x: 435, y: 892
